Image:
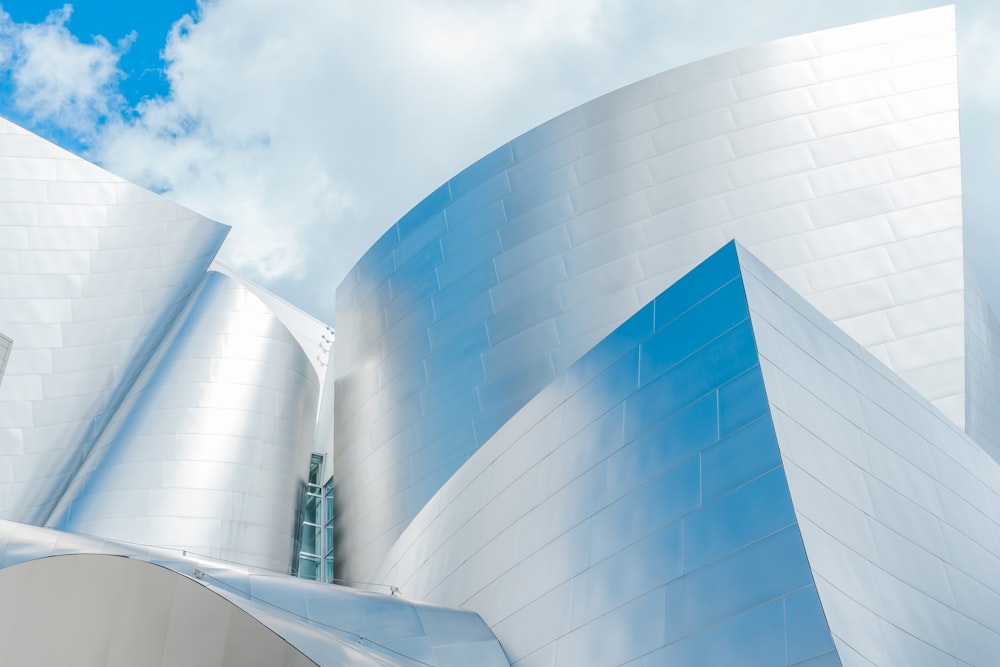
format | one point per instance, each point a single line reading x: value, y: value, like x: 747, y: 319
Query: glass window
x: 315, y: 468
x: 309, y: 534
x: 308, y: 566
x: 310, y: 509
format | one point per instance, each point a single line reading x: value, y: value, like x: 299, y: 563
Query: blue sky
x: 311, y: 126
x: 144, y: 26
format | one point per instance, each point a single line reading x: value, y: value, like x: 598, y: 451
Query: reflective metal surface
x: 61, y: 612
x: 982, y: 367
x: 720, y: 476
x: 147, y: 399
x: 896, y: 505
x: 93, y: 269
x: 637, y: 508
x: 5, y: 345
x: 726, y: 477
x: 833, y: 156
x: 332, y: 625
x: 209, y: 447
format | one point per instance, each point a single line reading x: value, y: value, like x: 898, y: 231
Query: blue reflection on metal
x: 332, y: 625
x: 640, y: 497
x: 835, y: 155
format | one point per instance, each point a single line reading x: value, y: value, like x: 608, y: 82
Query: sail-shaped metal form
x: 833, y: 156
x: 692, y: 374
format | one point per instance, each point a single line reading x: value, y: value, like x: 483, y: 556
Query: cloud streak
x: 311, y: 127
x: 57, y: 78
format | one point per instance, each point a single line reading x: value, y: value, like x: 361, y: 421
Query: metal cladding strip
x: 209, y: 449
x: 93, y: 270
x: 896, y: 505
x: 316, y: 340
x: 636, y: 507
x: 982, y: 367
x: 728, y: 478
x: 332, y: 625
x: 834, y: 156
x: 5, y: 345
x: 314, y: 337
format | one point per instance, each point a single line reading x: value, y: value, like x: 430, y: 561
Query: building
x: 692, y: 374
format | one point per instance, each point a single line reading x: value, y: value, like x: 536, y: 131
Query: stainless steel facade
x: 636, y: 509
x: 94, y: 269
x: 5, y: 345
x: 205, y: 449
x: 982, y: 343
x: 896, y: 505
x: 330, y: 625
x: 833, y: 156
x: 728, y: 478
x: 63, y: 610
x: 148, y: 401
x: 552, y: 413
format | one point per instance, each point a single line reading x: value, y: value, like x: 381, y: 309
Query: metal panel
x: 636, y: 506
x: 217, y: 431
x: 826, y: 153
x: 97, y: 268
x: 164, y: 607
x: 155, y: 616
x: 5, y: 346
x: 896, y: 504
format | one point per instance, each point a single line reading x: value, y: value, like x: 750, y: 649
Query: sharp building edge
x: 692, y: 374
x: 833, y: 156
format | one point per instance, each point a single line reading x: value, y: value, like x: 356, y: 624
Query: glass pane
x: 309, y: 538
x: 328, y: 545
x: 308, y: 567
x: 328, y: 566
x: 315, y: 468
x: 310, y: 510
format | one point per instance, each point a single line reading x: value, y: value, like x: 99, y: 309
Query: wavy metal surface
x: 314, y: 337
x: 834, y: 156
x: 896, y: 505
x: 208, y: 450
x: 332, y: 625
x: 149, y: 400
x: 675, y: 474
x: 636, y: 509
x: 92, y: 271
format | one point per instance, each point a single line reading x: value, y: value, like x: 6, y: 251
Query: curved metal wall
x: 92, y: 269
x: 644, y: 496
x: 62, y: 611
x: 210, y: 447
x: 332, y: 625
x: 637, y: 507
x: 833, y: 156
x: 896, y: 505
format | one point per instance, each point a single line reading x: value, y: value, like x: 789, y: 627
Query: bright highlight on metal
x: 692, y: 374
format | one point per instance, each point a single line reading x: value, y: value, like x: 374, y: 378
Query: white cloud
x: 311, y: 131
x: 311, y: 126
x: 59, y: 79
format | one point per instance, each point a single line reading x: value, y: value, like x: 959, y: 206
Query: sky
x: 310, y: 126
